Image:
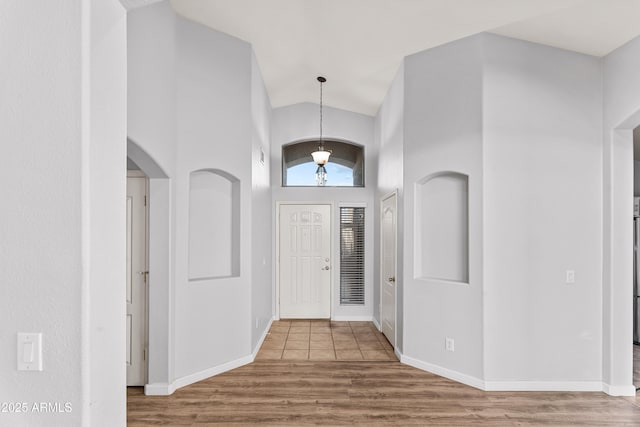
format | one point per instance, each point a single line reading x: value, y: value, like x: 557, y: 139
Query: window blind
x: 351, y: 256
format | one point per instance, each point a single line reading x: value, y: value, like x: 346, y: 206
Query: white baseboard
x: 159, y: 389
x: 165, y: 389
x: 376, y: 324
x: 352, y: 318
x: 542, y: 386
x: 261, y: 340
x: 397, y: 353
x: 443, y: 372
x: 619, y: 390
x: 517, y: 385
x: 210, y: 372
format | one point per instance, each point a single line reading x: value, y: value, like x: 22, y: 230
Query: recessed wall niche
x: 214, y: 225
x: 442, y: 227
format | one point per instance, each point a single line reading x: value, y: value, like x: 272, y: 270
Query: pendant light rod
x: 321, y: 80
x: 321, y: 157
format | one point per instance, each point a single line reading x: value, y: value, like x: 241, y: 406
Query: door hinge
x: 145, y: 275
x: 145, y: 200
x: 144, y: 354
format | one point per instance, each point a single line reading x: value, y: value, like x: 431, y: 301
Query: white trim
x: 443, y: 372
x: 619, y: 390
x: 376, y: 324
x: 542, y: 386
x: 164, y: 389
x: 261, y: 340
x: 389, y: 195
x: 516, y: 385
x: 159, y: 389
x: 347, y: 318
x: 352, y: 204
x: 210, y: 372
x: 397, y: 353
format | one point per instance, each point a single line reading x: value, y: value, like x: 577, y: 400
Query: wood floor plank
x: 277, y: 392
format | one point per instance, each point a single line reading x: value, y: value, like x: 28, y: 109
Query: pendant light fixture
x: 321, y: 157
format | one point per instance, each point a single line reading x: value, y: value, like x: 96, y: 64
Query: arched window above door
x: 344, y: 169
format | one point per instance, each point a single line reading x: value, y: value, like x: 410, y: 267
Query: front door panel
x: 305, y: 263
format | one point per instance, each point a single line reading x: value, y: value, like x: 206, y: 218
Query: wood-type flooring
x: 366, y: 393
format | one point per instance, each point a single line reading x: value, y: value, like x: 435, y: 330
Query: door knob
x: 326, y: 267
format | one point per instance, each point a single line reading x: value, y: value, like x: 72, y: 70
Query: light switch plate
x: 29, y: 351
x: 570, y: 276
x: 449, y: 344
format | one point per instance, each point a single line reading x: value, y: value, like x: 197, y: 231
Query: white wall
x: 151, y: 126
x: 63, y: 115
x: 524, y: 122
x: 262, y: 208
x: 204, y: 108
x: 621, y: 89
x: 41, y: 229
x: 213, y: 130
x: 443, y: 132
x: 542, y: 213
x: 389, y: 136
x: 299, y: 122
x: 151, y: 104
x: 104, y: 206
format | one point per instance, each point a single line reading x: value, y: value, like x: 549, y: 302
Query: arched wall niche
x: 442, y: 227
x: 214, y: 225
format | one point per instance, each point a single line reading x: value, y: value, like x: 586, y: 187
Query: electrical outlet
x: 571, y: 276
x: 449, y: 344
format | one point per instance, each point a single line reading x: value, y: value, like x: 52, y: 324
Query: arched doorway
x: 160, y: 301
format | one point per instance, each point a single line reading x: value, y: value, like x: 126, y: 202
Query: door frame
x: 395, y: 256
x: 161, y: 259
x: 277, y: 251
x: 141, y: 174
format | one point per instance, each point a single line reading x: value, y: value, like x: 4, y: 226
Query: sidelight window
x: 352, y: 256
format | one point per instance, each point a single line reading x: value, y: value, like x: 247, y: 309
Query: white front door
x: 305, y: 261
x: 136, y: 320
x: 388, y: 231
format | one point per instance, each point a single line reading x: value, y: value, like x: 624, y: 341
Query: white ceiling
x: 358, y: 45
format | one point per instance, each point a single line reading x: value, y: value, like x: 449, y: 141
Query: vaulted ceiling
x: 359, y: 44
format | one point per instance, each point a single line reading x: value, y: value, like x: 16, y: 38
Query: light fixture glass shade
x: 321, y: 175
x: 321, y: 157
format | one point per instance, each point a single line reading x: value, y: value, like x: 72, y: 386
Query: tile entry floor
x: 325, y: 340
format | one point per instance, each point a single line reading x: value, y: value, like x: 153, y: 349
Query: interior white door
x: 388, y: 231
x: 136, y: 320
x: 305, y: 261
